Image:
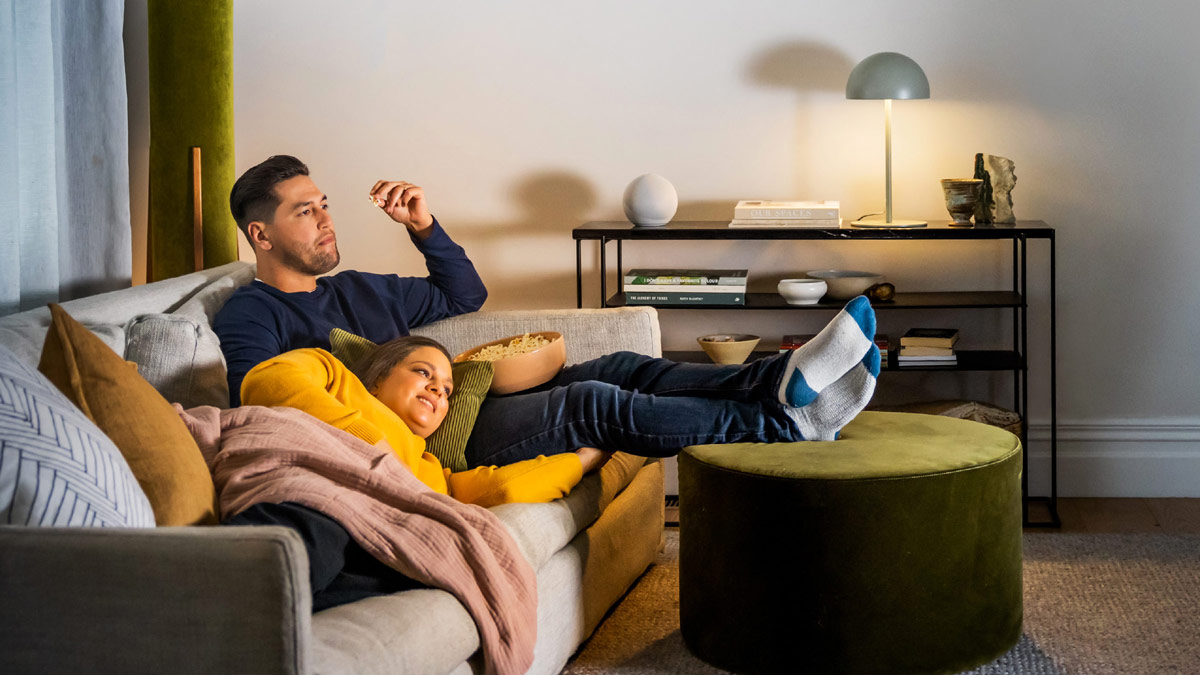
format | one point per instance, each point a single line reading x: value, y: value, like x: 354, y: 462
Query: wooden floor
x: 1171, y: 516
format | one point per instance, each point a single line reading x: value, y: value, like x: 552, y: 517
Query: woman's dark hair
x: 379, y: 363
x: 253, y: 196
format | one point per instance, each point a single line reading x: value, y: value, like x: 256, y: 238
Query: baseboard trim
x: 1119, y: 458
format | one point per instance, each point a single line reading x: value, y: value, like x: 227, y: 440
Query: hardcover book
x: 926, y: 351
x: 826, y: 210
x: 929, y: 337
x: 684, y: 298
x: 680, y: 277
x: 786, y: 222
x: 685, y: 288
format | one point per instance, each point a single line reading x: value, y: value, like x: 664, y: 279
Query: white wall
x: 524, y: 119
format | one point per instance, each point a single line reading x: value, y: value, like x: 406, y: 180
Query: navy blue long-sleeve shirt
x: 260, y: 321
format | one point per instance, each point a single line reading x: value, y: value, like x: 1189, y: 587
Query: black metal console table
x: 1016, y: 299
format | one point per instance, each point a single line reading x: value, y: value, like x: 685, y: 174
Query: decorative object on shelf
x: 846, y: 284
x: 995, y: 195
x: 728, y: 348
x: 802, y: 291
x: 886, y: 76
x: 883, y: 292
x: 522, y: 361
x: 961, y: 194
x: 650, y: 200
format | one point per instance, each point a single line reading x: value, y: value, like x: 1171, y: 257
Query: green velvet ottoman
x: 895, y: 549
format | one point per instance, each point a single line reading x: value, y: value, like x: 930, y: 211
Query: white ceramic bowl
x: 802, y: 291
x: 845, y: 284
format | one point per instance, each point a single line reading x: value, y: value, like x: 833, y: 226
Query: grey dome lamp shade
x: 886, y: 76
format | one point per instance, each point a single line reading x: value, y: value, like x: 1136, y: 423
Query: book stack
x: 928, y: 347
x: 791, y: 342
x: 759, y: 213
x: 685, y: 287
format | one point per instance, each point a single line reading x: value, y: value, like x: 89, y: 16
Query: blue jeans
x: 637, y: 404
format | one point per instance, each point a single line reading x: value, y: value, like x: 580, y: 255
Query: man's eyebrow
x: 297, y: 205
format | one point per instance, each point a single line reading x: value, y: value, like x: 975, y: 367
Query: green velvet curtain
x: 191, y: 104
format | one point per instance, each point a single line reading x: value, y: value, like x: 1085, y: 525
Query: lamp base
x: 879, y: 221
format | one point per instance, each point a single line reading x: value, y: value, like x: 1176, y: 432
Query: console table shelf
x: 950, y: 300
x: 1014, y: 299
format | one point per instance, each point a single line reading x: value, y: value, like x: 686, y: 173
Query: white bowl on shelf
x: 846, y: 284
x: 802, y: 291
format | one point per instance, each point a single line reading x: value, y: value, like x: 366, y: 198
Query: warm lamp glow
x: 887, y: 76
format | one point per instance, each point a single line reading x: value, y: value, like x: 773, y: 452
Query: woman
x: 401, y: 400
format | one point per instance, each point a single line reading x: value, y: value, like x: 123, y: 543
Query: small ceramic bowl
x: 802, y: 291
x: 728, y: 348
x: 846, y: 284
x: 522, y: 371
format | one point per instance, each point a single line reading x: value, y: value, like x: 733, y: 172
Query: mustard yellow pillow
x: 471, y: 382
x: 157, y: 445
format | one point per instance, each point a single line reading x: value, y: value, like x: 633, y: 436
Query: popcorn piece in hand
x: 375, y: 200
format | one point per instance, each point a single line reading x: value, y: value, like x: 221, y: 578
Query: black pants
x: 340, y: 571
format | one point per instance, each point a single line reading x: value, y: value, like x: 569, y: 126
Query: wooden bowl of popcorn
x: 520, y: 362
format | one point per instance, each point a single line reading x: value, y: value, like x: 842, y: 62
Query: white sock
x: 830, y: 355
x: 838, y: 403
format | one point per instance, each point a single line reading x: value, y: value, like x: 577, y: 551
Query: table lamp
x: 887, y: 75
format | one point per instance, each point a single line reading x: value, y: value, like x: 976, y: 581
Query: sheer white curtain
x: 64, y: 155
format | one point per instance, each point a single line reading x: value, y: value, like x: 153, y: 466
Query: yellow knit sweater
x: 314, y: 381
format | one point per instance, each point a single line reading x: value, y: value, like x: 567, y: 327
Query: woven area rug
x: 1094, y: 603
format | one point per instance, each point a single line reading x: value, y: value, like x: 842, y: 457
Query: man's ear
x: 258, y: 235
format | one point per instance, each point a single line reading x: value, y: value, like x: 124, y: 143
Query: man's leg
x: 522, y: 426
x: 794, y: 378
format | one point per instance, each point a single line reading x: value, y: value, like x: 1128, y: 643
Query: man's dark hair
x: 253, y: 196
x: 377, y: 365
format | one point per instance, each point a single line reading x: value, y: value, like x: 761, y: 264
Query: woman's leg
x: 340, y: 571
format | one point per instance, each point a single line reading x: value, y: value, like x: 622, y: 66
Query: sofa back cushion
x: 56, y: 467
x: 157, y: 445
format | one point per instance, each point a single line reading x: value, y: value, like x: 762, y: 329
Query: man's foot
x: 823, y: 360
x: 840, y: 402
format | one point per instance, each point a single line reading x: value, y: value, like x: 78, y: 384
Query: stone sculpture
x: 995, y: 195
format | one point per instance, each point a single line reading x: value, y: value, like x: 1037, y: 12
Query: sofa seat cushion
x: 56, y: 467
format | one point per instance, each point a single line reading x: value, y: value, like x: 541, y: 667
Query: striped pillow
x: 57, y: 468
x: 472, y: 379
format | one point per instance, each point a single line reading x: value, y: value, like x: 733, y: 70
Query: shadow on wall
x: 518, y: 259
x: 809, y: 70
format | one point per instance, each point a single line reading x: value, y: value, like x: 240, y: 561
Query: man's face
x: 302, y: 234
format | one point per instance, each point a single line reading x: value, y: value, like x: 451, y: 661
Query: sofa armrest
x: 588, y: 332
x: 164, y: 600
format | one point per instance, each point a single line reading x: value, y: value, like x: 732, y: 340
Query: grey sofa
x: 236, y: 600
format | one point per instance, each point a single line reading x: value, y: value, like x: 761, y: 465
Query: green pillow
x: 471, y: 382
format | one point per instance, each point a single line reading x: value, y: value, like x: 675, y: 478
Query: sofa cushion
x: 56, y: 467
x: 471, y: 382
x: 156, y: 444
x: 176, y: 355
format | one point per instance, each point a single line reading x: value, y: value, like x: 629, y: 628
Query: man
x: 621, y: 401
x: 286, y: 219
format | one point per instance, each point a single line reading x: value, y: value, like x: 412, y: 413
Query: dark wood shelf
x: 947, y: 300
x: 719, y: 229
x: 968, y: 360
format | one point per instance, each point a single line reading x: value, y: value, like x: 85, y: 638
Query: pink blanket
x: 272, y: 455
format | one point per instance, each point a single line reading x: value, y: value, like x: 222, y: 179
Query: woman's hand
x: 592, y: 458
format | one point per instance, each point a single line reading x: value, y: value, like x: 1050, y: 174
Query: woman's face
x: 417, y: 390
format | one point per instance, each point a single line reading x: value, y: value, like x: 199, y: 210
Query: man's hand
x: 405, y: 204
